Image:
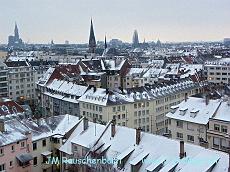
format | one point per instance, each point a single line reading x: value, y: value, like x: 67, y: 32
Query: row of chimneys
x: 138, y: 135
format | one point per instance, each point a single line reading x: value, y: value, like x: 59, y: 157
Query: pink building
x: 15, y: 147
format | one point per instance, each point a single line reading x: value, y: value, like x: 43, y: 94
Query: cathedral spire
x: 16, y: 34
x: 105, y: 42
x: 92, y: 40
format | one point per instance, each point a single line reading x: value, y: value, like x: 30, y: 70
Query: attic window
x: 193, y: 113
x: 174, y: 108
x: 5, y: 109
x: 183, y: 111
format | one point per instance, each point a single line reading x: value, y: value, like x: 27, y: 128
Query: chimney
x: 138, y: 135
x: 182, y: 152
x: 206, y: 99
x: 186, y: 97
x: 94, y: 88
x: 85, y: 123
x: 2, y: 125
x: 113, y: 128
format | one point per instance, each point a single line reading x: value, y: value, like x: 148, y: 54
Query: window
x: 118, y: 108
x: 12, y: 148
x: 190, y: 126
x: 224, y: 129
x: 11, y: 163
x: 100, y: 109
x: 147, y: 112
x: 2, y: 167
x: 179, y: 135
x: 216, y: 142
x: 135, y: 105
x: 35, y: 160
x: 216, y: 127
x: 34, y: 146
x: 123, y: 108
x: 179, y: 124
x: 123, y: 116
x: 147, y: 104
x: 114, y: 109
x: 1, y: 151
x: 22, y: 144
x: 190, y: 138
x: 44, y: 142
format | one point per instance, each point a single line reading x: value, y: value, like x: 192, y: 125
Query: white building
x: 3, y: 80
x: 188, y: 121
x: 219, y: 127
x: 218, y: 71
x: 21, y: 81
x: 131, y: 150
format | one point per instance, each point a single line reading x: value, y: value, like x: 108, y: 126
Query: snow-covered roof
x: 67, y: 87
x: 43, y: 80
x: 223, y: 112
x: 16, y: 128
x: 152, y: 149
x: 195, y: 110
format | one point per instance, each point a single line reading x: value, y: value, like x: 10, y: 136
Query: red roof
x: 10, y: 107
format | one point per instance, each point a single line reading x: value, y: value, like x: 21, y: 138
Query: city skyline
x: 41, y: 21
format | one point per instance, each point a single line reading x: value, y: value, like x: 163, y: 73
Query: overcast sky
x: 40, y: 21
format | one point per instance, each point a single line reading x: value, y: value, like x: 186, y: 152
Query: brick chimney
x: 138, y: 135
x: 182, y: 152
x: 113, y: 128
x: 85, y: 123
x: 2, y: 125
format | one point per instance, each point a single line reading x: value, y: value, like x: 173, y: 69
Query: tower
x: 105, y: 42
x: 92, y: 40
x: 135, y: 39
x: 16, y: 34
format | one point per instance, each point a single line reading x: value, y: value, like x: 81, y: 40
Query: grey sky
x: 39, y: 21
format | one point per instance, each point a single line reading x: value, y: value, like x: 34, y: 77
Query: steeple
x: 135, y: 39
x: 92, y: 40
x: 105, y: 42
x: 16, y: 34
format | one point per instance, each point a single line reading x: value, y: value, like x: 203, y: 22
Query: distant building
x: 218, y: 71
x: 226, y: 41
x: 135, y: 39
x: 15, y: 41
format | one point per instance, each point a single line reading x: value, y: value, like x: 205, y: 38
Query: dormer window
x: 183, y: 111
x: 174, y: 108
x: 193, y: 113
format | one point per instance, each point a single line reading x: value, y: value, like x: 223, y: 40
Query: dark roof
x: 16, y: 63
x: 43, y: 63
x: 24, y: 157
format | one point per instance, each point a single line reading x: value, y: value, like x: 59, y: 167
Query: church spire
x: 105, y: 42
x: 92, y: 40
x: 16, y: 34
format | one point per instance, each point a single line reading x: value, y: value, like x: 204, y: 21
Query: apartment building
x: 188, y: 121
x: 21, y: 81
x: 26, y: 145
x: 219, y: 127
x: 3, y: 80
x: 60, y: 97
x: 218, y: 71
x: 15, y: 147
x: 131, y: 150
x: 143, y: 107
